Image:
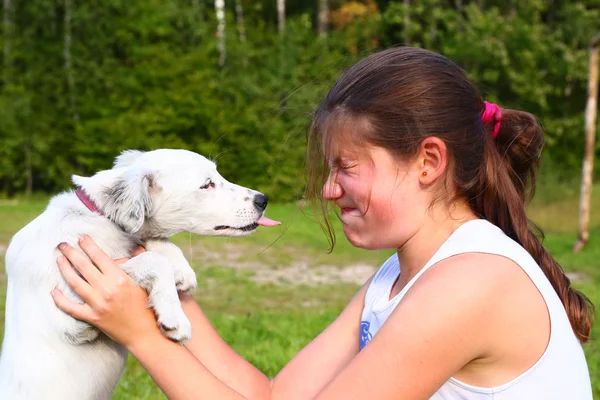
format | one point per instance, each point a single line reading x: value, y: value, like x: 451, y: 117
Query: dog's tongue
x: 264, y: 221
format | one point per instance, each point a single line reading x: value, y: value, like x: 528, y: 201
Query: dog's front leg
x: 185, y: 277
x: 154, y: 272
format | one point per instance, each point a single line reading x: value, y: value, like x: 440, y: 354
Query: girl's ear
x: 432, y: 159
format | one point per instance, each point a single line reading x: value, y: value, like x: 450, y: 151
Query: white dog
x: 145, y: 198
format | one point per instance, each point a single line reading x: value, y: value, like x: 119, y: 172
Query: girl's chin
x: 365, y: 241
x: 353, y: 237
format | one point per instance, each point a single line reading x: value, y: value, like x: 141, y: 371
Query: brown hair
x: 408, y: 94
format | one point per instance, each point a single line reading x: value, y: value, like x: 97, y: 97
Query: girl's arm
x: 182, y: 377
x: 302, y: 378
x: 117, y: 306
x: 404, y: 360
x: 412, y: 355
x: 207, y: 367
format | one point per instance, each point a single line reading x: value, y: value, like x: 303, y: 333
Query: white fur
x: 146, y: 197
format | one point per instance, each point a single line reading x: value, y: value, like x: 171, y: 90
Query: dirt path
x: 288, y: 268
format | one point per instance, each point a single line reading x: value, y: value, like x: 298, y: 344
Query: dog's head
x: 162, y: 192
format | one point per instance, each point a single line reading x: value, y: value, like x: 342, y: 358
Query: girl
x: 470, y: 307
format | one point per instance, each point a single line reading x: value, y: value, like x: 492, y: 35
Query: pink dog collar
x: 85, y: 199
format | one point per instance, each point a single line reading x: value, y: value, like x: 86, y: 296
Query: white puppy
x: 145, y: 198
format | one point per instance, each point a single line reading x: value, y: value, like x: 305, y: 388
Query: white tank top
x: 561, y: 373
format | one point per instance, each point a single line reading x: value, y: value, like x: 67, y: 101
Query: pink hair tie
x: 492, y: 113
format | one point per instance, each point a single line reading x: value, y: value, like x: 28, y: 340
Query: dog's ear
x: 126, y: 158
x: 128, y: 198
x: 79, y: 181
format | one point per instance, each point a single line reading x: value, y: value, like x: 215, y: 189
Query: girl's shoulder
x: 473, y: 270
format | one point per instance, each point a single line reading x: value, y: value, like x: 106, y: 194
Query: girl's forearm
x: 177, y: 372
x: 219, y: 358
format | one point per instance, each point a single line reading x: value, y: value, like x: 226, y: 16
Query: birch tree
x: 7, y: 30
x: 68, y: 61
x: 7, y: 78
x: 459, y: 11
x: 588, y: 157
x: 198, y: 20
x: 323, y: 17
x: 239, y: 12
x: 198, y: 9
x: 24, y: 135
x: 220, y: 9
x: 281, y: 16
x: 406, y: 22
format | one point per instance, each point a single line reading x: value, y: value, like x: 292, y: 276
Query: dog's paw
x: 185, y: 280
x: 175, y: 325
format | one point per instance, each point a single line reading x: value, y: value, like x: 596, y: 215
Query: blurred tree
x: 281, y: 16
x: 220, y: 8
x: 588, y: 158
x: 323, y: 17
x: 84, y: 80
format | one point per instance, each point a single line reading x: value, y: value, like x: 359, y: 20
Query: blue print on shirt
x: 365, y: 335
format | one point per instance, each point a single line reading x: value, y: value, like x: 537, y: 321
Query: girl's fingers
x: 81, y: 263
x: 97, y: 255
x: 80, y: 311
x: 76, y: 282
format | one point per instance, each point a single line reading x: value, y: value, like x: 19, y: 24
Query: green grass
x: 268, y: 323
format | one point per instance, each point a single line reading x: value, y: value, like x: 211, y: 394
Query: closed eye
x: 208, y: 184
x: 342, y: 164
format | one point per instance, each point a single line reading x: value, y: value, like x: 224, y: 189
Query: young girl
x: 470, y: 307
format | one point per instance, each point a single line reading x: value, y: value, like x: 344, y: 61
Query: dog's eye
x: 208, y: 184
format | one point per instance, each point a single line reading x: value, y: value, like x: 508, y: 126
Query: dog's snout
x: 260, y: 202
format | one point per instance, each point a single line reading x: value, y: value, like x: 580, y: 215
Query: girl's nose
x: 332, y: 189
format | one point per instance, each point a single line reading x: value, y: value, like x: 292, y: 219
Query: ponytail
x: 507, y: 182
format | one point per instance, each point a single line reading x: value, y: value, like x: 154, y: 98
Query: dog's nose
x: 260, y: 202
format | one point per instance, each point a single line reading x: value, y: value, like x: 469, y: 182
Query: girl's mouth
x: 350, y: 211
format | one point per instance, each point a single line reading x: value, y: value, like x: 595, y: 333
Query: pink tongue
x: 264, y: 221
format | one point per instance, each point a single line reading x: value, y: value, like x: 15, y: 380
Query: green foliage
x: 146, y: 75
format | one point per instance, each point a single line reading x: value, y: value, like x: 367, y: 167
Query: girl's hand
x: 114, y: 303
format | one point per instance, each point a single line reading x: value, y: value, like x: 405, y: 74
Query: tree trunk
x: 588, y: 157
x: 28, y: 168
x: 220, y: 8
x: 239, y: 12
x: 198, y: 9
x: 406, y: 22
x: 7, y: 28
x: 198, y: 21
x: 323, y: 17
x: 459, y: 11
x: 281, y: 16
x: 433, y: 31
x: 68, y: 62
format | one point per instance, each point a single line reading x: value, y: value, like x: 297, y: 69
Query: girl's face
x: 381, y: 202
